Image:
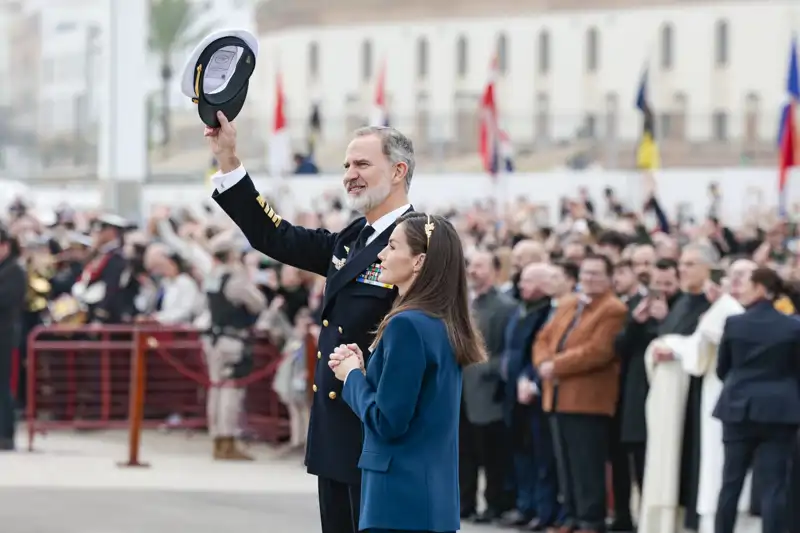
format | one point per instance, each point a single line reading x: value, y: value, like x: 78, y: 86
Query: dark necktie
x: 361, y: 241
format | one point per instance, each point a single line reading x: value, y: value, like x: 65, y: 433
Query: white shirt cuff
x: 348, y: 375
x: 223, y: 182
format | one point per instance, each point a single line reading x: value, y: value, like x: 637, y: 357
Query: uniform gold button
x: 314, y: 387
x: 319, y: 355
x: 332, y: 395
x: 340, y: 329
x: 325, y: 323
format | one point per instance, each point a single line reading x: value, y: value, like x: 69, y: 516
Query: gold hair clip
x: 429, y: 230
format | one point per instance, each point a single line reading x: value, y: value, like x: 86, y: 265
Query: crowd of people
x: 572, y: 314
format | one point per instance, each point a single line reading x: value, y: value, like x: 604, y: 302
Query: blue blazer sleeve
x: 724, y: 353
x: 388, y: 410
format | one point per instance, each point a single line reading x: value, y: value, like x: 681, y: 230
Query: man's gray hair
x: 396, y: 146
x: 708, y: 254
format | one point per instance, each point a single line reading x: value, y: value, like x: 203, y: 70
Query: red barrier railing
x: 137, y: 377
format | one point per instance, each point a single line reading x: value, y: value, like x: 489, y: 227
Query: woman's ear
x: 418, y: 263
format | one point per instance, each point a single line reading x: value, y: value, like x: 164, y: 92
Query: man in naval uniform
x: 98, y: 287
x: 234, y: 303
x: 378, y: 167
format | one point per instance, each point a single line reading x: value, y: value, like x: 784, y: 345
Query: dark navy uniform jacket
x: 354, y: 304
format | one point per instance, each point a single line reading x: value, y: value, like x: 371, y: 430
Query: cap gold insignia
x: 429, y: 230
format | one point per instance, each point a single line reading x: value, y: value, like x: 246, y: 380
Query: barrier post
x: 136, y: 398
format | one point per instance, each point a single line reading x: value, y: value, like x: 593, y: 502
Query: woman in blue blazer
x: 409, y: 396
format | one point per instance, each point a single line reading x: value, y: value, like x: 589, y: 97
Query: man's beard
x: 370, y: 198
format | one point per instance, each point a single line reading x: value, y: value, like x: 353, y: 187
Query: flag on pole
x: 314, y: 127
x: 280, y: 145
x: 787, y: 136
x: 647, y: 154
x: 495, y: 146
x: 380, y: 111
x: 489, y: 133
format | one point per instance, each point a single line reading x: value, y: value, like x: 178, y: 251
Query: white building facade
x: 717, y: 71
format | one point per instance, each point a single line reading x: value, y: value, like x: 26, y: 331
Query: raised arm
x: 266, y: 230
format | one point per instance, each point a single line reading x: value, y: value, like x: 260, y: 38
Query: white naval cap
x: 217, y: 73
x: 111, y: 220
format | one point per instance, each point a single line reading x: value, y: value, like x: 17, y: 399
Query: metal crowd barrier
x: 137, y: 377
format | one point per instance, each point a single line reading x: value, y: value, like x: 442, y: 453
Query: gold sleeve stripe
x: 271, y: 214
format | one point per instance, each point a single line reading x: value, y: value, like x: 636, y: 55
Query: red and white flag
x: 380, y: 111
x: 494, y: 143
x: 280, y: 144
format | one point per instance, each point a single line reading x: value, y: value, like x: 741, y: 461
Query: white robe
x: 666, y: 404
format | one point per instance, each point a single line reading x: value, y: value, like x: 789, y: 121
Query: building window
x: 721, y: 44
x: 313, y: 60
x: 666, y: 46
x: 544, y: 52
x: 422, y: 58
x: 720, y: 126
x: 366, y: 61
x: 462, y: 56
x: 502, y: 53
x: 592, y: 50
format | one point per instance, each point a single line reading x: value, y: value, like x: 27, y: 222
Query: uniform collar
x: 387, y: 220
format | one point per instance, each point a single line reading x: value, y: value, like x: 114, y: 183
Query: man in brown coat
x: 579, y: 381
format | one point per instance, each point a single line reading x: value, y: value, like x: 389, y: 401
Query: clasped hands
x: 344, y: 359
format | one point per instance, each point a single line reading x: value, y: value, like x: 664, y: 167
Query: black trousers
x: 636, y: 453
x: 581, y: 448
x: 486, y: 446
x: 339, y: 506
x: 768, y: 448
x: 620, y: 474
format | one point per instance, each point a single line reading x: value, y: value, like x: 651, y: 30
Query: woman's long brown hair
x: 440, y: 289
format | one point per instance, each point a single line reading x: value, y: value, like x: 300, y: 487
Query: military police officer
x: 234, y: 303
x: 379, y: 164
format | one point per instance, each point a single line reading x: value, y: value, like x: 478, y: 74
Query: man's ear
x: 400, y: 171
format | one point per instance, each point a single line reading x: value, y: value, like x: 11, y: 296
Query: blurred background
x: 91, y: 81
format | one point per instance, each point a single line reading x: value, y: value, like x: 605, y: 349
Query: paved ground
x: 72, y: 484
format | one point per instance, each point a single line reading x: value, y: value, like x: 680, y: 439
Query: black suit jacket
x: 351, y: 311
x: 759, y: 365
x: 630, y: 346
